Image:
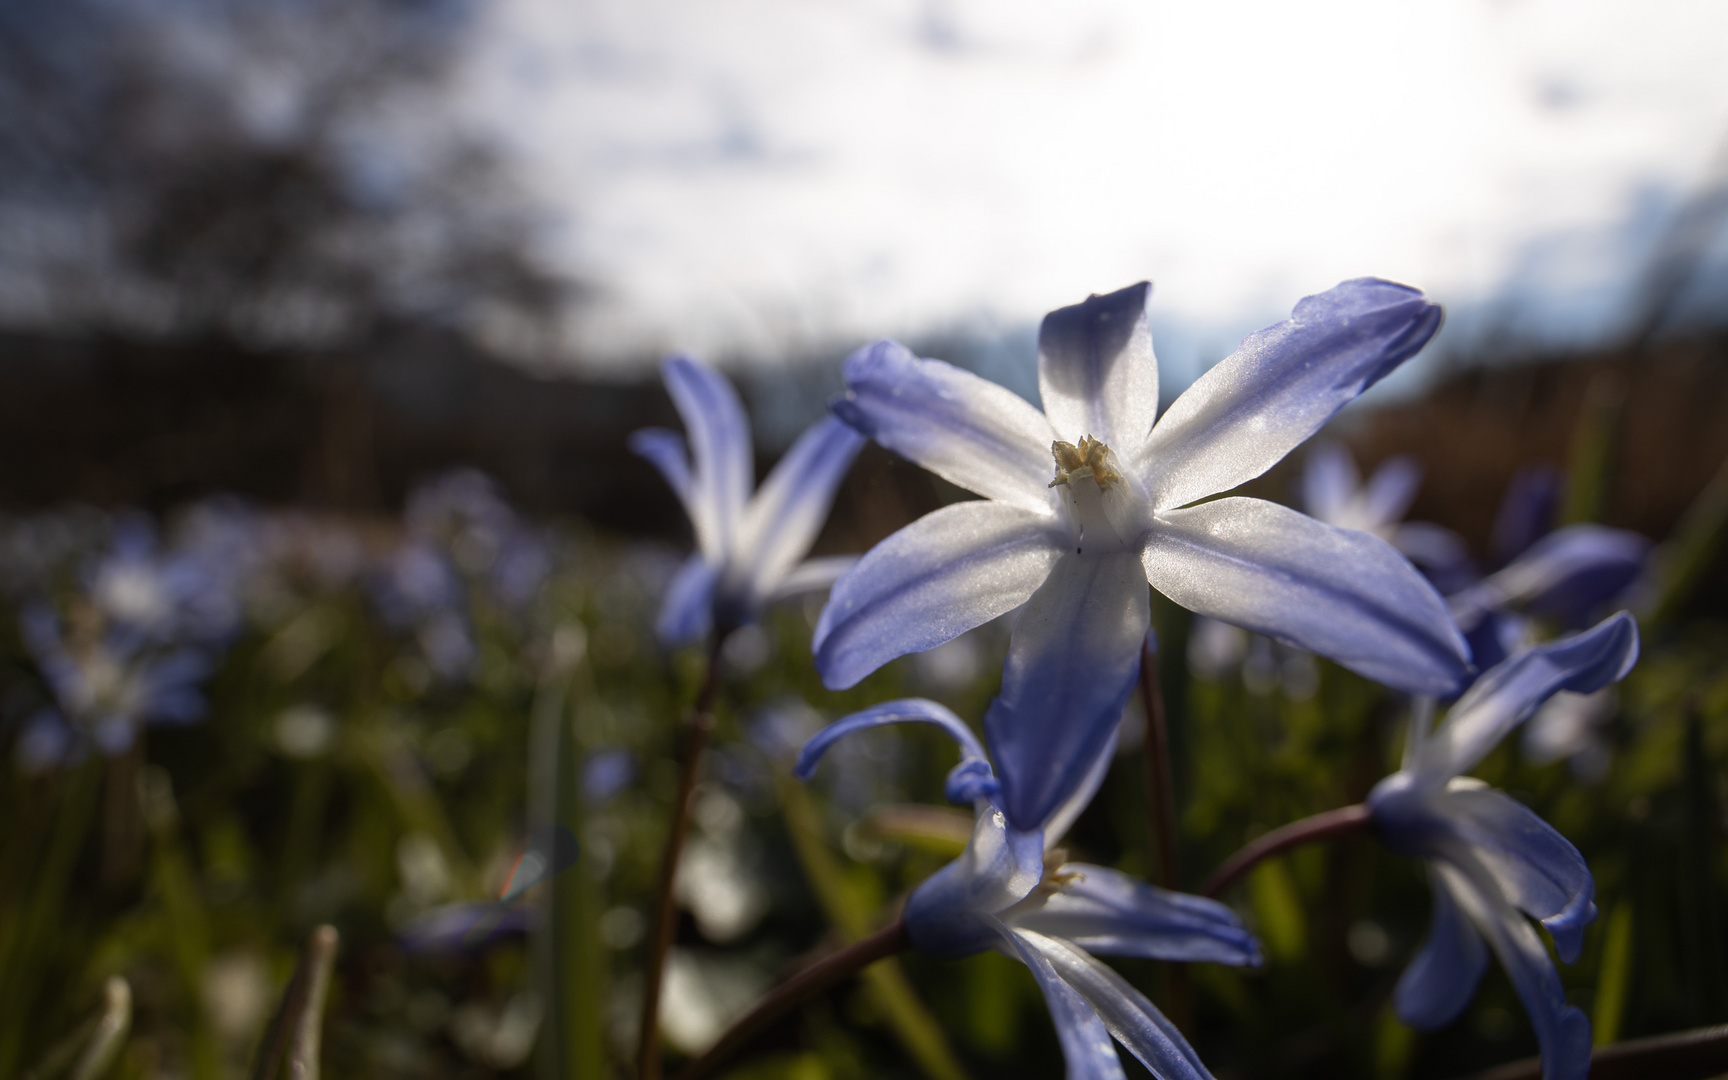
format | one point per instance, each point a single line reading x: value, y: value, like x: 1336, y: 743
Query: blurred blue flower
x: 1074, y: 554
x: 1490, y: 859
x: 417, y: 590
x: 1564, y: 576
x: 606, y: 774
x: 1001, y: 895
x: 464, y: 512
x: 105, y: 686
x: 748, y: 548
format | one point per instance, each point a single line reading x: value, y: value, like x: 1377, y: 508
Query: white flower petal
x: 1096, y: 371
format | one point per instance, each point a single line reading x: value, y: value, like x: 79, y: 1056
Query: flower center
x: 1090, y: 459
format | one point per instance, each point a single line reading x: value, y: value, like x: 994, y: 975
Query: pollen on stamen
x: 1089, y: 459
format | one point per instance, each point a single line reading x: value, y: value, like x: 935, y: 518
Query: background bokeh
x: 324, y: 569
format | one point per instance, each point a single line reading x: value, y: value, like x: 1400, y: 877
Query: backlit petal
x: 953, y: 913
x: 965, y: 429
x: 1256, y: 405
x: 907, y: 711
x: 942, y: 575
x: 687, y: 612
x: 1507, y: 694
x: 719, y: 442
x: 1126, y: 1013
x: 1086, y: 1044
x: 1072, y: 662
x: 1096, y: 372
x: 788, y: 511
x: 1343, y: 594
x: 1107, y: 912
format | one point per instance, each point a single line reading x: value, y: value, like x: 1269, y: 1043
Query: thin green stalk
x: 176, y: 887
x: 45, y: 909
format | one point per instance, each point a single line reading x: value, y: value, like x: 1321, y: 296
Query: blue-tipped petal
x: 667, y: 452
x: 1126, y: 1013
x: 1526, y: 512
x: 1438, y: 552
x: 813, y: 575
x: 1329, y: 482
x: 1072, y: 662
x: 1562, y: 1031
x: 969, y: 780
x: 1096, y: 372
x: 1107, y: 912
x: 1062, y: 818
x: 965, y: 429
x: 687, y: 612
x: 1442, y: 977
x: 953, y: 913
x: 1256, y: 405
x: 788, y: 511
x: 1086, y: 1045
x: 1537, y: 869
x: 1345, y: 595
x: 1503, y: 697
x: 949, y: 571
x: 1570, y: 573
x: 1389, y: 492
x: 719, y: 443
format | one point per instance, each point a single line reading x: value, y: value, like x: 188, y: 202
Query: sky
x: 759, y: 180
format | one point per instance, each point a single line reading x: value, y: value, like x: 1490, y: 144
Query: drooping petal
x: 687, y: 612
x: 783, y: 519
x: 974, y: 783
x: 1390, y: 491
x: 1107, y: 912
x: 1126, y: 1013
x: 1329, y: 482
x: 1256, y: 405
x: 1503, y: 697
x: 1442, y: 978
x: 1565, y: 576
x: 953, y: 913
x: 1096, y: 372
x: 1062, y: 818
x: 965, y: 429
x: 1537, y: 869
x: 719, y: 442
x: 949, y: 571
x: 1343, y: 594
x: 1071, y: 664
x: 1562, y: 1031
x: 813, y: 575
x: 1086, y: 1045
x: 667, y: 452
x: 1526, y: 512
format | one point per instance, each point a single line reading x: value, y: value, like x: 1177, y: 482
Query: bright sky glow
x: 765, y: 178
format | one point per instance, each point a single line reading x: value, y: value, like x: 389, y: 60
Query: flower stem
x: 1161, y: 803
x: 1701, y: 1052
x: 1160, y: 777
x: 798, y: 989
x: 295, y: 1029
x: 665, y: 905
x: 1327, y: 826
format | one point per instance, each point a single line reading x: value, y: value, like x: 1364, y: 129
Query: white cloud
x: 764, y: 177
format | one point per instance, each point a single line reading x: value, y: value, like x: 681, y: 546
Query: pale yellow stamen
x: 1091, y: 458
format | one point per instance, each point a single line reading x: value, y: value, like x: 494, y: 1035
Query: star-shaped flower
x: 1088, y: 501
x: 1003, y: 894
x: 748, y: 549
x: 1491, y: 860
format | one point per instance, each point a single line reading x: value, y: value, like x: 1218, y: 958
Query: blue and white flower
x: 1072, y: 542
x: 1491, y: 860
x: 749, y: 550
x: 1012, y: 891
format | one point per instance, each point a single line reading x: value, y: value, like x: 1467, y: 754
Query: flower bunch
x: 1087, y: 505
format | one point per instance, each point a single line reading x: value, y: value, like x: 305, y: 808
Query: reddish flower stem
x: 665, y: 904
x: 800, y: 988
x: 1330, y: 825
x: 1702, y: 1052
